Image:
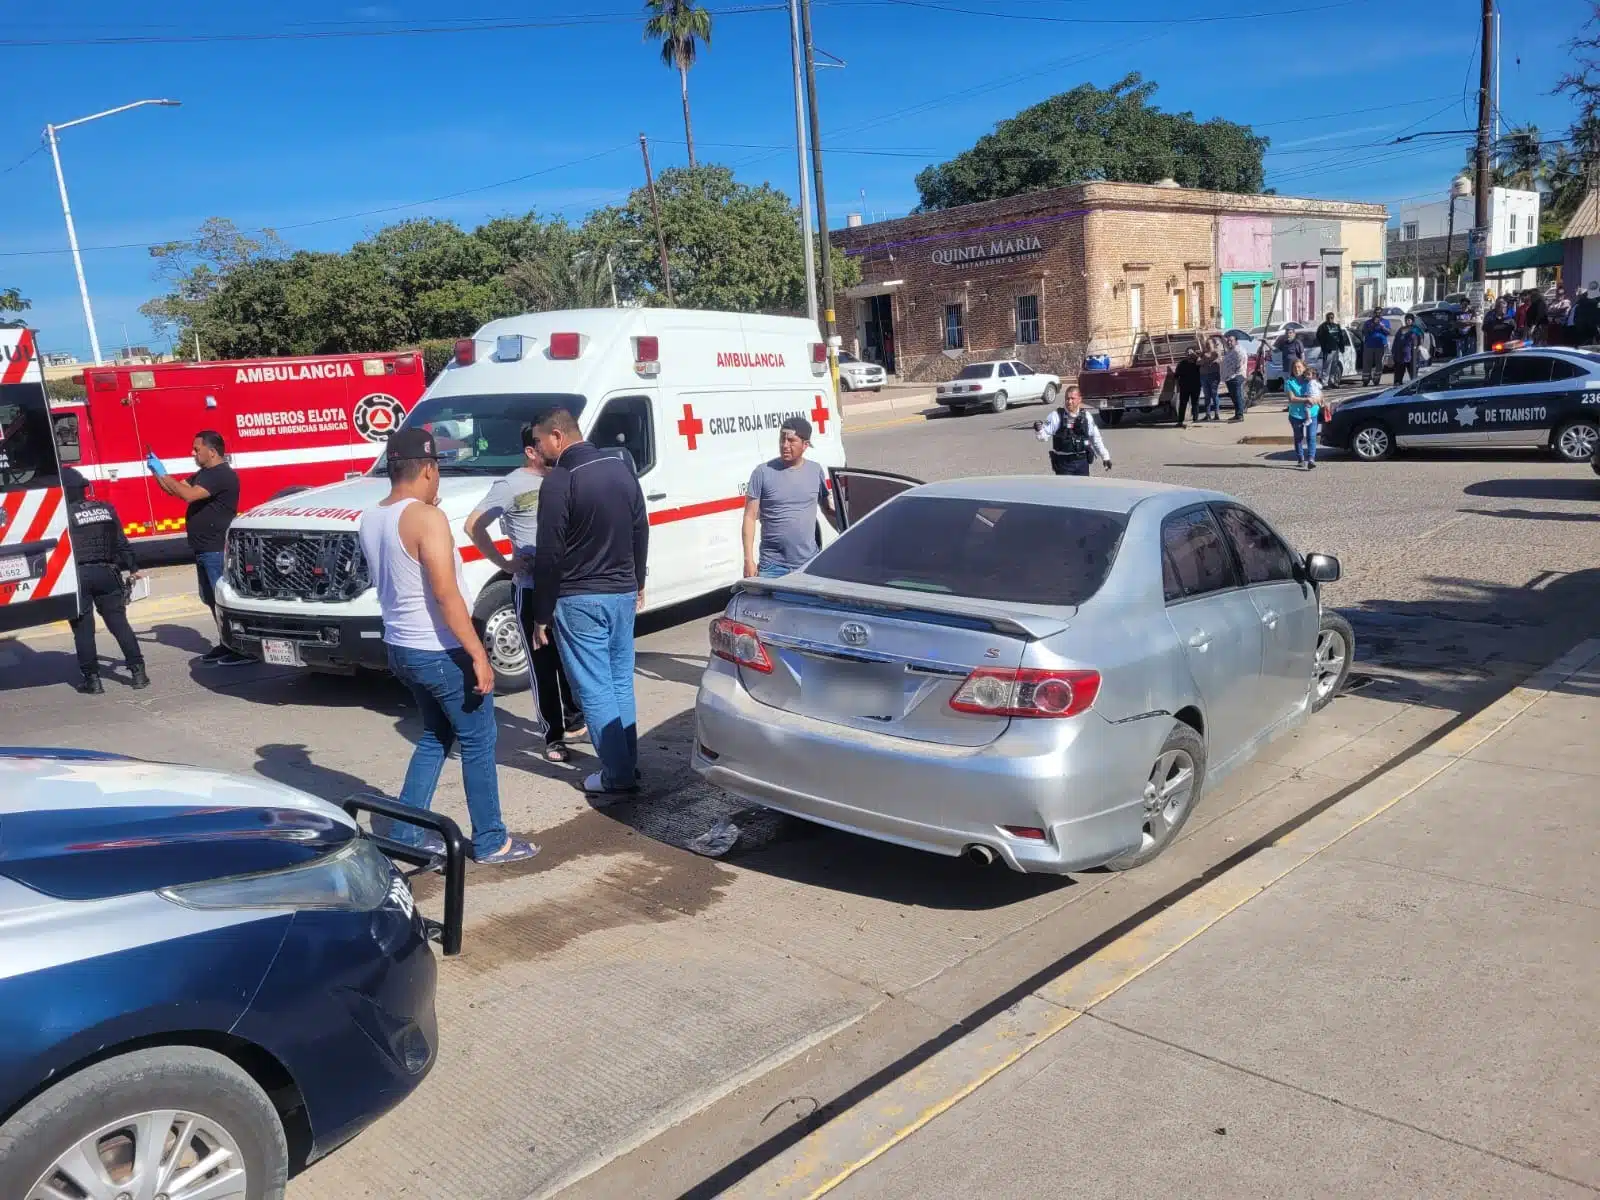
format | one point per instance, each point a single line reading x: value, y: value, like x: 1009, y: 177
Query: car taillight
x: 466, y: 352
x: 739, y: 644
x: 1026, y: 692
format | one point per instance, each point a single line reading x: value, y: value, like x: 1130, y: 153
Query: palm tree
x: 563, y: 277
x: 681, y: 25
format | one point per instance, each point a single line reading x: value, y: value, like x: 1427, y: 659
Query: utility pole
x: 1479, y: 245
x: 800, y: 146
x: 829, y: 333
x: 655, y: 213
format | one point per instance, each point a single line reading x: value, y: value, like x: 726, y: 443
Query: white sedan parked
x: 995, y: 385
x: 858, y: 376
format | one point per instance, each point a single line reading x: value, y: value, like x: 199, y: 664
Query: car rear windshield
x: 977, y: 371
x: 988, y: 550
x: 482, y: 435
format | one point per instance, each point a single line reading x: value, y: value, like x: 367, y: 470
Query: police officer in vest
x: 102, y: 553
x: 1074, y: 438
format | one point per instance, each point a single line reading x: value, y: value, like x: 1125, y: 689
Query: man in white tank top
x: 433, y: 648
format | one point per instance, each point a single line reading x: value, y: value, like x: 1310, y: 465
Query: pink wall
x: 1244, y: 244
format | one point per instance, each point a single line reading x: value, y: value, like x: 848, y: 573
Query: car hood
x: 340, y: 505
x: 87, y: 827
x: 1362, y: 400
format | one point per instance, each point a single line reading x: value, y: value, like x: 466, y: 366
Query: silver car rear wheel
x: 1169, y: 795
x: 1331, y: 667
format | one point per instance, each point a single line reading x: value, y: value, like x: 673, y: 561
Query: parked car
x: 1333, y: 372
x: 1521, y: 398
x: 1045, y: 671
x: 204, y: 978
x: 995, y: 385
x: 858, y: 376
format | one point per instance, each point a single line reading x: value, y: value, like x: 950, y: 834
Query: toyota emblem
x: 854, y: 633
x: 284, y: 561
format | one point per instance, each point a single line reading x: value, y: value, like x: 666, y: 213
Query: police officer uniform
x: 102, y: 553
x: 1075, y: 441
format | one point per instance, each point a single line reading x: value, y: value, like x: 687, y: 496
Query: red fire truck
x: 289, y: 423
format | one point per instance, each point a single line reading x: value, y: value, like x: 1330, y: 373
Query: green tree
x: 571, y: 276
x: 194, y: 270
x: 1092, y: 133
x: 731, y: 246
x: 12, y: 300
x: 681, y: 25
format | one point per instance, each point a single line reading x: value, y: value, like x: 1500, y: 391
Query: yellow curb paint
x: 849, y: 428
x: 863, y: 1134
x: 139, y: 615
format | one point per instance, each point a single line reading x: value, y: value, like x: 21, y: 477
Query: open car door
x: 857, y: 492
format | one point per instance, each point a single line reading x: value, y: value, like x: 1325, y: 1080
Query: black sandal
x: 557, y: 752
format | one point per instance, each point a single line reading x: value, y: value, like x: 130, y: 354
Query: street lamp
x: 50, y: 132
x: 1460, y: 186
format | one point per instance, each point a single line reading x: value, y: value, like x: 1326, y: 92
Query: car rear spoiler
x: 1007, y: 620
x: 447, y: 932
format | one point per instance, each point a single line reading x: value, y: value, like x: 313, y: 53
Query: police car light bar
x: 466, y: 352
x: 1499, y: 346
x: 647, y: 355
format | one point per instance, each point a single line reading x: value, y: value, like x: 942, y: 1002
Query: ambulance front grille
x: 272, y: 564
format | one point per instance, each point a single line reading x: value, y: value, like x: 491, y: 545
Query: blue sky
x: 312, y: 133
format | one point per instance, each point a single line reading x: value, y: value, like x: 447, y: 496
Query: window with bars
x: 955, y: 334
x: 1027, y: 320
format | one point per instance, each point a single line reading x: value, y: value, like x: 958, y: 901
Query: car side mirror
x: 1322, y: 568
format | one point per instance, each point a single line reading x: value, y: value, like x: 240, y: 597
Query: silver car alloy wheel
x: 1168, y: 793
x: 165, y: 1155
x: 1329, y: 665
x: 502, y: 641
x: 1576, y: 441
x: 1372, y: 442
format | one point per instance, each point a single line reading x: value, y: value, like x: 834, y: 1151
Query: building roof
x: 1586, y: 221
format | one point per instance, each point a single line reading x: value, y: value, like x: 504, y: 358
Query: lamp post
x: 50, y: 132
x: 1460, y: 186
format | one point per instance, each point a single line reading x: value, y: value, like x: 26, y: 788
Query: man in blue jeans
x: 212, y: 496
x: 434, y: 649
x: 588, y: 582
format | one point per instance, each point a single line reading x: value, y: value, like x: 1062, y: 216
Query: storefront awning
x: 1548, y: 254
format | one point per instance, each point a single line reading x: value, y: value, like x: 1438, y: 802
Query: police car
x: 1513, y: 397
x: 205, y: 980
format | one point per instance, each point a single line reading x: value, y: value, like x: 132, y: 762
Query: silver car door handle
x: 1199, y: 639
x: 1269, y: 619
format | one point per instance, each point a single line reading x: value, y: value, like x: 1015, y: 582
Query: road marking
x: 829, y: 1156
x: 139, y: 615
x: 885, y: 424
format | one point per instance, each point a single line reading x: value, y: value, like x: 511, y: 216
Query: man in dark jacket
x: 101, y: 554
x: 1331, y: 342
x: 588, y: 581
x: 1187, y: 372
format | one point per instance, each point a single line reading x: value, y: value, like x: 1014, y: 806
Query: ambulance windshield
x: 482, y: 435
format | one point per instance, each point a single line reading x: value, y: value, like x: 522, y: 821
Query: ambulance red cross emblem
x: 820, y: 415
x: 691, y: 427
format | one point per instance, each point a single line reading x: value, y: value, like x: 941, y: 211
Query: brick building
x: 1038, y: 277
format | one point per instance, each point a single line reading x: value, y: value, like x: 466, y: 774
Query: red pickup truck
x: 1146, y: 383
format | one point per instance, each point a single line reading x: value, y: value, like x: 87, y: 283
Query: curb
x: 839, y: 1149
x: 139, y: 615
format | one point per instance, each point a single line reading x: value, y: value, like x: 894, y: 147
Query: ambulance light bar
x: 647, y: 356
x: 466, y: 352
x: 564, y: 346
x: 508, y: 347
x: 104, y: 381
x: 819, y: 358
x: 406, y: 364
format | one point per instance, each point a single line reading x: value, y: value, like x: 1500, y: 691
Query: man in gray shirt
x: 514, y: 501
x: 784, y: 496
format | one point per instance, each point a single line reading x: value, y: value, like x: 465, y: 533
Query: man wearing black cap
x: 784, y: 496
x: 101, y: 553
x: 433, y: 647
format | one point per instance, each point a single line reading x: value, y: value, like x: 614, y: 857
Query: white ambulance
x: 696, y: 398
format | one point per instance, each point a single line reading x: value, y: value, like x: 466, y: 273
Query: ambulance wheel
x: 1372, y: 442
x: 501, y: 634
x: 1575, y: 441
x: 1000, y: 403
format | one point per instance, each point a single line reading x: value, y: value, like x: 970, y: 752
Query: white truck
x: 696, y: 398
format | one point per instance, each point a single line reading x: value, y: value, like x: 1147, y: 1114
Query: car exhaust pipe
x: 979, y: 854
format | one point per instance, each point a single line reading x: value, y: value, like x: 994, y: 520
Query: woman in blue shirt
x: 1305, y: 405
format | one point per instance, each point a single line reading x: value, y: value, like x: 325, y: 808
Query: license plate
x: 280, y: 653
x: 853, y: 690
x: 13, y: 567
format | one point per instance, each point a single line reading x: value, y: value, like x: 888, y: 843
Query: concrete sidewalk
x: 1396, y: 999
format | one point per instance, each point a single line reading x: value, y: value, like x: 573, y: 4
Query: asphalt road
x: 632, y: 1018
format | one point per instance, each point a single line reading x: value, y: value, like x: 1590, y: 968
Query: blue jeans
x: 595, y: 636
x: 1305, y: 437
x: 1236, y: 394
x: 772, y: 571
x: 1208, y: 396
x: 208, y: 569
x: 442, y: 683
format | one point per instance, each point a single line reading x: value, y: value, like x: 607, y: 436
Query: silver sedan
x: 1044, y: 671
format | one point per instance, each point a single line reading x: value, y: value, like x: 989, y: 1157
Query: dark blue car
x: 205, y: 980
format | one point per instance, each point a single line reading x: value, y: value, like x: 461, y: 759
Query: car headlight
x: 354, y: 878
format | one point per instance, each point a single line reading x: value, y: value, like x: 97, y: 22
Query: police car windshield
x: 482, y: 435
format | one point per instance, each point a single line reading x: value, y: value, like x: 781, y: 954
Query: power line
x: 39, y: 149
